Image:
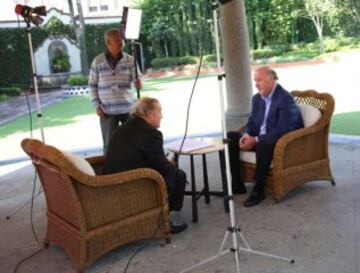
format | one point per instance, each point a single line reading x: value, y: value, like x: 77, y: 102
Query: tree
x: 176, y: 27
x: 343, y: 20
x: 316, y: 11
x: 80, y: 33
x: 81, y: 39
x: 355, y: 8
x: 271, y: 22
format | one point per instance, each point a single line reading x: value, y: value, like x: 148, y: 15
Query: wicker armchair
x: 300, y: 156
x: 89, y: 215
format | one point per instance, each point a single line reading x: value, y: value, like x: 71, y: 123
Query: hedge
x: 174, y: 61
x: 15, y: 66
x: 78, y: 80
x: 10, y: 91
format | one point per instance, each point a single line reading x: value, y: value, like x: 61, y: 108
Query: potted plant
x: 61, y: 63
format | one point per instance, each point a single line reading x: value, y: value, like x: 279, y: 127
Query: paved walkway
x: 18, y: 107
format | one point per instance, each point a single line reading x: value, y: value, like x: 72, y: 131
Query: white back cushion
x: 80, y: 163
x: 310, y: 114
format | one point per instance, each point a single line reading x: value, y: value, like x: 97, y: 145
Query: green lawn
x: 62, y: 113
x: 70, y: 111
x: 346, y: 123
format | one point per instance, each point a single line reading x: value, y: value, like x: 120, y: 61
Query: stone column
x: 235, y: 42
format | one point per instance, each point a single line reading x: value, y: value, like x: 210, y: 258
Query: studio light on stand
x: 232, y: 230
x: 130, y: 29
x: 33, y: 16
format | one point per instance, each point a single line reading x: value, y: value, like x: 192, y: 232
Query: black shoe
x: 254, y: 199
x: 177, y: 227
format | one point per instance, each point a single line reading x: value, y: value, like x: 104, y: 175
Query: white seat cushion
x: 310, y: 114
x: 80, y: 163
x: 250, y: 157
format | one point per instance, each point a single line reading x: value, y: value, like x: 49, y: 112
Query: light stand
x: 232, y: 229
x: 32, y: 15
x: 133, y: 45
x: 38, y: 105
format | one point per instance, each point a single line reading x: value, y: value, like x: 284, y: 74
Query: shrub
x: 263, y: 53
x: 78, y: 80
x: 331, y: 45
x: 10, y: 91
x: 212, y: 58
x: 280, y: 49
x: 187, y: 60
x: 169, y: 62
x: 312, y: 46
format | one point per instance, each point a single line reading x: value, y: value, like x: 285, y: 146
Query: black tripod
x: 232, y: 230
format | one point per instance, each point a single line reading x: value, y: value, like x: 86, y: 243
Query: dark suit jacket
x: 284, y: 115
x: 136, y: 144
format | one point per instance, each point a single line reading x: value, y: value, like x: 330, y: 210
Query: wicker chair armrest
x: 124, y: 177
x: 293, y: 147
x: 96, y: 160
x: 97, y: 163
x: 110, y: 198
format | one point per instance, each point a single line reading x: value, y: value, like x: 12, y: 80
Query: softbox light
x: 131, y: 23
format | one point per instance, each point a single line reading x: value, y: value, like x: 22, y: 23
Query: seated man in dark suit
x: 139, y: 144
x: 273, y: 113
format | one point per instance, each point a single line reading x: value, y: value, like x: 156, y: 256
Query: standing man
x: 273, y: 113
x: 139, y: 144
x: 111, y: 75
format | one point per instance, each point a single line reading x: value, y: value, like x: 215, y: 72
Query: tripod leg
x: 266, y: 254
x: 243, y: 239
x: 223, y: 241
x: 249, y: 250
x: 207, y: 260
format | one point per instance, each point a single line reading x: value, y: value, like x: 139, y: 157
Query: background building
x: 94, y: 12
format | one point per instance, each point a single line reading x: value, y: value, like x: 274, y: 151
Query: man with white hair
x: 273, y: 113
x: 139, y: 144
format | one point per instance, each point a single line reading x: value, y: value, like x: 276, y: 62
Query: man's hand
x: 247, y: 142
x: 100, y: 112
x: 137, y: 84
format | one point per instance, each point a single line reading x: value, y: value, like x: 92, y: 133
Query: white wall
x: 42, y: 61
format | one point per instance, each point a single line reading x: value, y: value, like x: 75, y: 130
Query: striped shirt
x: 111, y: 88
